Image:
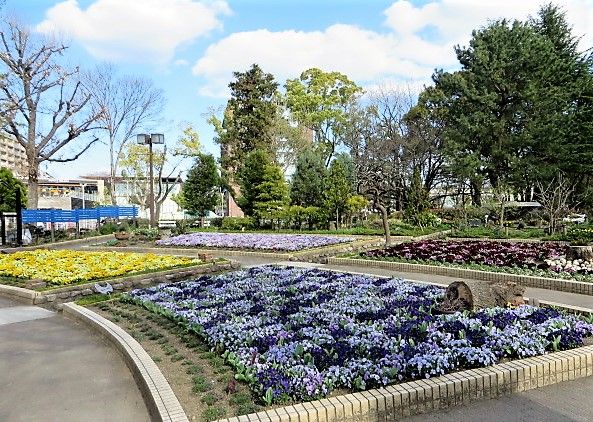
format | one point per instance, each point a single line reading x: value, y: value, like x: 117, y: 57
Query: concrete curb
x: 421, y: 396
x: 18, y: 293
x: 569, y: 286
x: 158, y: 395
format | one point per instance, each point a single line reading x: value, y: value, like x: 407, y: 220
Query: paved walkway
x: 54, y: 370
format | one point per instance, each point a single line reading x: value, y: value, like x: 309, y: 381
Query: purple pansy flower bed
x: 297, y: 334
x: 274, y: 242
x: 502, y: 254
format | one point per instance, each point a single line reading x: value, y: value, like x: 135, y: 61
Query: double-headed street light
x: 144, y: 139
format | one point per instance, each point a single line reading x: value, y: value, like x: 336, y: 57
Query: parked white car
x: 575, y: 218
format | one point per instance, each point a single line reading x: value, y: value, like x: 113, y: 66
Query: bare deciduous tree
x: 377, y: 160
x: 555, y: 199
x: 135, y: 164
x: 44, y: 102
x: 126, y: 106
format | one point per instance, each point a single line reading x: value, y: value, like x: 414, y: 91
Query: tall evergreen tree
x: 249, y: 118
x: 515, y: 111
x: 272, y: 193
x: 250, y: 177
x: 308, y: 181
x: 201, y: 188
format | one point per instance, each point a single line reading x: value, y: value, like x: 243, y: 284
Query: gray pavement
x: 52, y: 369
x: 568, y: 401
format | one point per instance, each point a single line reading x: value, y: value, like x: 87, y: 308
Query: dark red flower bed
x: 503, y: 254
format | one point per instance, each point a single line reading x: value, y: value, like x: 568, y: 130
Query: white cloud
x: 134, y: 30
x: 455, y: 19
x: 404, y: 52
x: 361, y: 54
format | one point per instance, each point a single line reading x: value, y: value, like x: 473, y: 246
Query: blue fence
x: 74, y: 216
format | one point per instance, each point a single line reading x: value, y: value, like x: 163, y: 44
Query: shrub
x: 237, y: 223
x: 423, y: 219
x: 579, y: 235
x: 108, y: 228
x: 147, y: 233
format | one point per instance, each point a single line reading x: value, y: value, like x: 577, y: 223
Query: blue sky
x: 190, y: 48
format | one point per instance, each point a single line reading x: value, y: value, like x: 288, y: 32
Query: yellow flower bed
x: 65, y: 267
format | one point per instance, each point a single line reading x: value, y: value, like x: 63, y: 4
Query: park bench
x: 167, y: 224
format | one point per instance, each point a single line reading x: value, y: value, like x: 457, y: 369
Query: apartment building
x: 13, y: 156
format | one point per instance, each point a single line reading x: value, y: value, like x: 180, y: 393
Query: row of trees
x: 516, y: 115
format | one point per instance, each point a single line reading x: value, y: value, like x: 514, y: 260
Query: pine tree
x: 308, y: 181
x: 201, y: 189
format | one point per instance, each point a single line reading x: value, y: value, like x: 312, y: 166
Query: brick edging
x: 158, y: 395
x: 425, y: 395
x: 558, y: 284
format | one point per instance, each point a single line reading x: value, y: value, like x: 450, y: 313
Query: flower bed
x: 298, y: 334
x: 62, y: 267
x: 256, y: 241
x: 541, y: 259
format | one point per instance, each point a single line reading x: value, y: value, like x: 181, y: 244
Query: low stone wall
x: 54, y: 297
x: 570, y: 286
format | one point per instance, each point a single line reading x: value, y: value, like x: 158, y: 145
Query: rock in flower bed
x: 63, y: 267
x: 297, y: 334
x: 256, y: 241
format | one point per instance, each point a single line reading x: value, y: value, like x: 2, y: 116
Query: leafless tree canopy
x: 555, y: 198
x: 44, y: 101
x: 387, y: 143
x: 127, y: 105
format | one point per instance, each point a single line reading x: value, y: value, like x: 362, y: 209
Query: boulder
x: 476, y: 294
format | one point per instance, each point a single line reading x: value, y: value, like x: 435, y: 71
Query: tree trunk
x: 476, y: 294
x: 33, y: 183
x: 157, y: 211
x: 385, y: 219
x: 476, y: 193
x: 112, y: 174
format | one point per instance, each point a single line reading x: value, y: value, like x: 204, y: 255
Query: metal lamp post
x: 145, y: 139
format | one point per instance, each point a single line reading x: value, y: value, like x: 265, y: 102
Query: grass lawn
x: 401, y: 229
x: 498, y: 233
